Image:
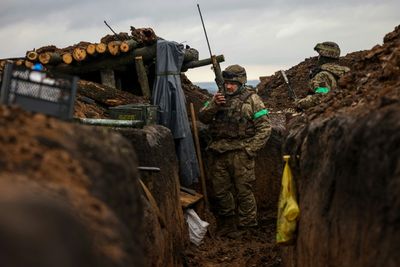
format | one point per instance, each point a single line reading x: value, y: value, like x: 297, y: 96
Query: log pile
x: 111, y: 52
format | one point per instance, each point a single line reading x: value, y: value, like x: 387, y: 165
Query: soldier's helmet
x: 235, y: 73
x: 328, y: 49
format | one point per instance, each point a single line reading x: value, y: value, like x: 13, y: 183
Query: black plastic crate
x: 39, y: 91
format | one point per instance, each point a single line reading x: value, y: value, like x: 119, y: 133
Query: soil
x: 256, y: 247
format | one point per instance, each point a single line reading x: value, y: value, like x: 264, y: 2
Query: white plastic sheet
x: 197, y: 227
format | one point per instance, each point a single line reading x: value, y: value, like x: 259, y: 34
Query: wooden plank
x: 188, y: 200
x: 108, y: 77
x: 142, y: 77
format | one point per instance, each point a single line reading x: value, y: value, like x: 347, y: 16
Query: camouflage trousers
x: 232, y: 173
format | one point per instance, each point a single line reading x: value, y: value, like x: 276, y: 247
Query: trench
x: 79, y: 187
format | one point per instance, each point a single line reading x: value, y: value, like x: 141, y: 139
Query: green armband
x: 260, y: 114
x: 322, y: 90
x: 206, y: 104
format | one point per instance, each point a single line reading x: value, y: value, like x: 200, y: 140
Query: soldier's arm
x: 210, y: 108
x: 322, y: 80
x: 262, y: 126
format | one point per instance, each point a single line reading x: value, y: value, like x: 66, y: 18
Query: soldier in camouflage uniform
x: 324, y: 77
x: 239, y: 127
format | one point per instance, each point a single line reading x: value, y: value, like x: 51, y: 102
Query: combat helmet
x: 235, y: 73
x: 328, y: 49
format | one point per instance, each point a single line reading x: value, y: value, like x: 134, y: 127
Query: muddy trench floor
x: 256, y: 247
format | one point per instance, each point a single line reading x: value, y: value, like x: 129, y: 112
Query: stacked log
x: 91, y: 49
x: 113, y: 51
x: 113, y: 47
x: 101, y: 48
x: 32, y: 55
x: 128, y: 45
x: 49, y: 58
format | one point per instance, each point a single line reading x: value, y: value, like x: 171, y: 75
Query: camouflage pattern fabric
x: 233, y: 158
x: 252, y: 105
x: 308, y: 101
x: 234, y: 170
x: 328, y: 49
x: 328, y: 76
x: 239, y: 72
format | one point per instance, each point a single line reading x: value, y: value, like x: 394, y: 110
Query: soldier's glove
x: 307, y: 102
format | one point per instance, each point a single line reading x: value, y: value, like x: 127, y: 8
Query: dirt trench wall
x: 90, y: 171
x: 348, y: 179
x: 165, y: 237
x: 268, y: 170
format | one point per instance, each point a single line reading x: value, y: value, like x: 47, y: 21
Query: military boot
x: 227, y: 228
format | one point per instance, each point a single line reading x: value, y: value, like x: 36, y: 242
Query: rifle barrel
x: 105, y: 22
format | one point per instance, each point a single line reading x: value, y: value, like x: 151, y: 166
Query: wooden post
x: 142, y: 76
x: 107, y: 77
x: 199, y: 157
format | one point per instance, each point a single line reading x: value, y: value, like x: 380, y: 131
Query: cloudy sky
x: 263, y: 36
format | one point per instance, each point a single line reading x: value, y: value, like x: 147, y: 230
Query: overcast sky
x: 262, y: 35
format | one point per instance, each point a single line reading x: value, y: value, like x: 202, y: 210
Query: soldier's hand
x: 219, y: 99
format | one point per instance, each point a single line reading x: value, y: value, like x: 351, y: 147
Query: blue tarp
x: 169, y: 96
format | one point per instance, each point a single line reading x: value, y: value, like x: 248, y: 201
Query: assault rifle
x: 215, y: 64
x: 292, y: 94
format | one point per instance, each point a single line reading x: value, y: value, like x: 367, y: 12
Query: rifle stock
x: 292, y: 94
x: 219, y: 80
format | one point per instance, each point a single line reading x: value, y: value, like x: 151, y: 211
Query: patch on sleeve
x: 260, y: 113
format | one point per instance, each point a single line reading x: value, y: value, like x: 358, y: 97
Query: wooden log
x: 148, y: 53
x: 120, y: 62
x: 128, y: 45
x: 113, y: 47
x: 67, y: 58
x: 79, y: 54
x: 142, y: 77
x: 32, y: 55
x: 101, y: 48
x: 200, y: 63
x: 28, y: 64
x: 49, y: 58
x: 19, y: 62
x: 91, y: 49
x: 107, y: 96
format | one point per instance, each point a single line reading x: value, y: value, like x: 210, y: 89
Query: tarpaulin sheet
x: 169, y: 96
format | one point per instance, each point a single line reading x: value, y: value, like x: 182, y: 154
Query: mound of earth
x: 345, y: 160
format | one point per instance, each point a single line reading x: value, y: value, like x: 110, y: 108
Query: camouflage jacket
x: 327, y: 76
x: 246, y: 107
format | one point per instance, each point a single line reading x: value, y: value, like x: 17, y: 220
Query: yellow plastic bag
x: 288, y: 209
